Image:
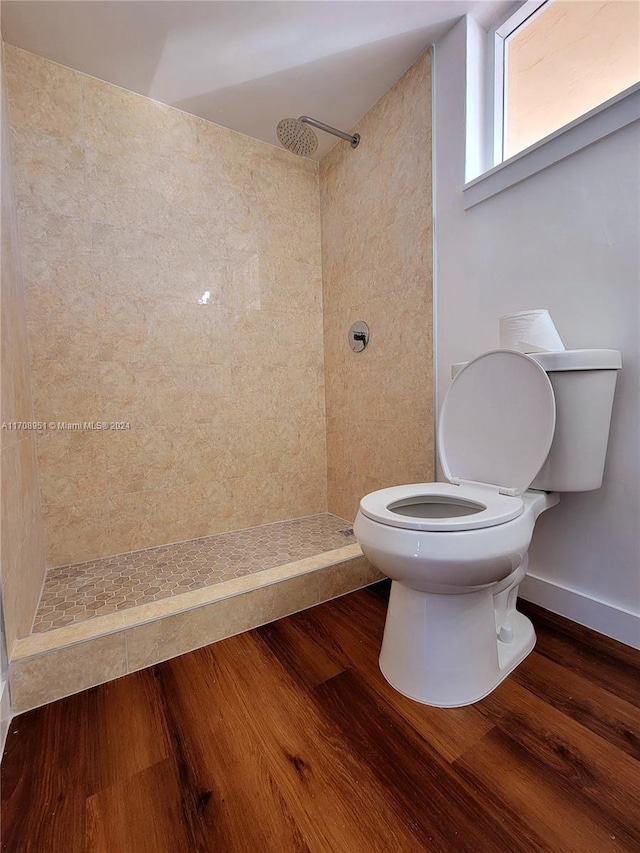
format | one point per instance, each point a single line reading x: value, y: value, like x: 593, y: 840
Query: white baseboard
x: 601, y: 616
x: 5, y: 713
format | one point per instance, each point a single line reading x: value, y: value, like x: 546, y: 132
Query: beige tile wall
x: 22, y: 550
x: 130, y: 212
x: 377, y: 267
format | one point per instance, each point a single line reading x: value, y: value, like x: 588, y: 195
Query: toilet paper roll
x: 529, y: 331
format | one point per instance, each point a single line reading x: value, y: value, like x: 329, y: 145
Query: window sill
x: 614, y: 114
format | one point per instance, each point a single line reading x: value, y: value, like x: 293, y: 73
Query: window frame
x: 484, y: 145
x: 501, y: 34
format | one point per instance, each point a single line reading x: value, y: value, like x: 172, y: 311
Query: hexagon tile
x: 75, y: 593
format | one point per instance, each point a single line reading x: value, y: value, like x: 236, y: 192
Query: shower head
x: 296, y: 135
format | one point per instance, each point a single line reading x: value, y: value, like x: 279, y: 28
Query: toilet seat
x: 496, y: 428
x: 493, y: 508
x: 497, y: 422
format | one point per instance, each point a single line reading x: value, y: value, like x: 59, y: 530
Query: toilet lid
x: 497, y: 421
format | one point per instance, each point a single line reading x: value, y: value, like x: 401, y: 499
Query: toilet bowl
x: 456, y: 552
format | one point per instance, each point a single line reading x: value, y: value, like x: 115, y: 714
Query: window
x: 556, y: 61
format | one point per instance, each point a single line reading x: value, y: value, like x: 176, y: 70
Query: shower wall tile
x: 173, y: 272
x: 22, y: 582
x: 377, y: 266
x: 72, y: 465
x: 76, y: 530
x: 43, y: 96
x: 55, y: 249
x: 63, y: 391
x: 50, y: 174
x: 22, y: 546
x: 20, y: 496
x: 72, y: 327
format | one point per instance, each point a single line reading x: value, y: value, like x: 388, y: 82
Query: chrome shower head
x: 296, y: 135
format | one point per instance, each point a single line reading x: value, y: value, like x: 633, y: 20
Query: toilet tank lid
x: 569, y: 359
x: 579, y: 359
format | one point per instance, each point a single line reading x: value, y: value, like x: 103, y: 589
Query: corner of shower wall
x: 22, y: 548
x: 376, y: 211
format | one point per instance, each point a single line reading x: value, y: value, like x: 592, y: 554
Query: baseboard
x: 601, y: 616
x: 5, y: 713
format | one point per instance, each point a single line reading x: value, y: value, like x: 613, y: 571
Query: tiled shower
x: 173, y: 284
x: 192, y: 288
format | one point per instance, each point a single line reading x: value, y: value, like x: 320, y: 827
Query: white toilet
x: 514, y: 430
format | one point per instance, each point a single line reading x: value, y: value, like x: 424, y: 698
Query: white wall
x: 565, y: 239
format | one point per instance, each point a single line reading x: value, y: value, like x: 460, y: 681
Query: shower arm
x: 353, y: 138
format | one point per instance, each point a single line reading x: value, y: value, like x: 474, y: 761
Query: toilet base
x: 442, y: 650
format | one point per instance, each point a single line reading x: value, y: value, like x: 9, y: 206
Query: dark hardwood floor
x: 287, y: 738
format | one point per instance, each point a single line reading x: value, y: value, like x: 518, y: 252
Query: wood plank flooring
x: 287, y: 738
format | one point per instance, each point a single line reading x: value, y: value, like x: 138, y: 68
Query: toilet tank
x: 583, y: 383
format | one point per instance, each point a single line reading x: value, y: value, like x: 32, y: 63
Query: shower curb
x: 49, y: 666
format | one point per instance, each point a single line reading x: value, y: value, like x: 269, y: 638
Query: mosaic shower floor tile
x: 96, y: 588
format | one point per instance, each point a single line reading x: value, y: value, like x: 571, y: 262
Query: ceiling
x: 243, y: 64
